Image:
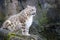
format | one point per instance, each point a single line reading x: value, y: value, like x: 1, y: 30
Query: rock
x: 7, y: 35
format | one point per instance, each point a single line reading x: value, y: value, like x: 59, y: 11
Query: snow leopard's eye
x: 32, y: 10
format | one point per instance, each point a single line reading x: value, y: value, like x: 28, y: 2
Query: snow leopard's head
x: 30, y: 10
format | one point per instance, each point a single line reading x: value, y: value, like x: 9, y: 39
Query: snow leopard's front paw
x: 27, y: 34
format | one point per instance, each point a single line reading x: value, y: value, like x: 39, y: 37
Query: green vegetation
x: 13, y: 36
x: 43, y: 20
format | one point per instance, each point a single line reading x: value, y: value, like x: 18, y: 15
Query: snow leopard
x: 21, y: 21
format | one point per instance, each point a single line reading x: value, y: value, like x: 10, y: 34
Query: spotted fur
x: 22, y: 20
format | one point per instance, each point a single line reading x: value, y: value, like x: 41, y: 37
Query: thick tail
x: 6, y: 23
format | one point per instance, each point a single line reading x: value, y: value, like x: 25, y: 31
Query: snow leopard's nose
x: 33, y: 13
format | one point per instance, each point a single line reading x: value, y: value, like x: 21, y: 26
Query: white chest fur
x: 29, y: 22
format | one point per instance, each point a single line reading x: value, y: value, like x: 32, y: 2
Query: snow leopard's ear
x: 28, y: 6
